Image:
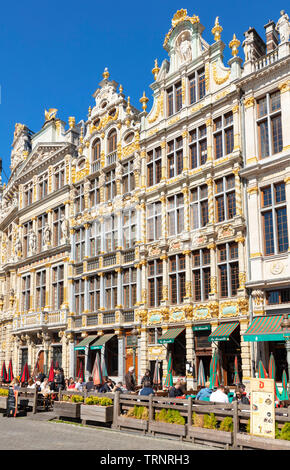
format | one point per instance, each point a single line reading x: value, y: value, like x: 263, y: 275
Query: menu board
x: 262, y: 408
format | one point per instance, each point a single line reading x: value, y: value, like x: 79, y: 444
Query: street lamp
x: 285, y: 325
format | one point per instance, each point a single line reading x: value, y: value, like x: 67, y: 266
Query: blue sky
x: 53, y: 53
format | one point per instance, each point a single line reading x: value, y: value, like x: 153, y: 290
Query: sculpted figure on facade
x: 184, y: 48
x: 32, y: 241
x: 64, y: 229
x: 283, y: 27
x: 47, y: 234
x: 248, y: 48
x: 18, y: 247
x: 21, y: 143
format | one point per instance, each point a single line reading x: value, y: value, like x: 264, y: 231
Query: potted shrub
x: 205, y: 428
x: 135, y: 418
x: 97, y: 409
x: 168, y: 422
x: 3, y: 398
x: 69, y: 406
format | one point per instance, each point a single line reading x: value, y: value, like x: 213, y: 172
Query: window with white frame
x: 129, y: 228
x: 57, y: 286
x: 228, y: 269
x: 128, y: 178
x: 225, y: 198
x: 153, y: 335
x: 79, y: 198
x: 174, y: 99
x: 26, y: 284
x: 197, y: 147
x: 95, y: 238
x: 175, y: 210
x: 110, y: 185
x: 94, y: 192
x: 269, y: 125
x: 111, y: 285
x: 41, y: 223
x: 80, y: 242
x: 201, y: 274
x: 198, y: 207
x: 175, y: 157
x: 274, y: 218
x: 28, y: 193
x: 79, y: 290
x: 177, y: 278
x: 197, y: 88
x: 155, y: 282
x: 27, y: 227
x: 129, y: 281
x: 58, y: 176
x: 94, y: 293
x: 154, y: 221
x: 42, y: 185
x: 154, y: 166
x: 57, y: 218
x: 111, y: 233
x: 40, y: 288
x: 223, y: 135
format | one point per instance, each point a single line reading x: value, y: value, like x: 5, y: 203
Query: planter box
x: 66, y: 409
x: 103, y: 414
x: 3, y: 403
x: 210, y: 435
x: 167, y: 428
x: 132, y: 423
x: 256, y: 442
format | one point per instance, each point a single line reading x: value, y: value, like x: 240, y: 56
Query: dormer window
x: 197, y: 86
x: 112, y: 141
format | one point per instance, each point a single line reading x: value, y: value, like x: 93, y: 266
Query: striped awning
x: 170, y: 335
x: 223, y: 332
x: 85, y: 342
x: 101, y: 341
x: 266, y: 328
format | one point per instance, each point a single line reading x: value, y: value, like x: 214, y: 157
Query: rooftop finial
x: 156, y: 69
x: 217, y: 29
x: 144, y: 100
x: 106, y: 73
x: 234, y: 44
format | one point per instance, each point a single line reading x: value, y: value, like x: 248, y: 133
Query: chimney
x: 272, y: 39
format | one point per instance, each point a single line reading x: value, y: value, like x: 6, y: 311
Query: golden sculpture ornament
x: 180, y: 15
x: 217, y: 29
x: 144, y: 100
x: 106, y: 73
x: 234, y: 44
x: 155, y: 70
x: 50, y: 114
x: 219, y: 80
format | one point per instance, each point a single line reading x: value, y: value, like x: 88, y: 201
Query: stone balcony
x: 38, y: 320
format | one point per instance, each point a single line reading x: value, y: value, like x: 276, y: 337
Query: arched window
x: 96, y: 150
x: 112, y: 141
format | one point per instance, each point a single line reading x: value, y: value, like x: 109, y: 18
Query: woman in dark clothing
x: 12, y: 398
x: 147, y: 377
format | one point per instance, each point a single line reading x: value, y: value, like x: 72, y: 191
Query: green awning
x: 85, y: 342
x: 101, y: 341
x: 266, y: 328
x: 202, y: 327
x: 223, y: 332
x: 170, y: 335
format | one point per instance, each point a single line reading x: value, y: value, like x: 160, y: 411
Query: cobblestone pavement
x: 33, y: 434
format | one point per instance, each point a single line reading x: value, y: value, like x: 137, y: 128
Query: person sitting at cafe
x: 90, y: 384
x: 219, y: 396
x: 118, y: 387
x: 44, y: 387
x: 147, y: 376
x: 147, y: 388
x: 30, y: 383
x: 107, y: 387
x: 241, y: 396
x: 130, y: 380
x: 205, y: 392
x: 176, y: 391
x: 79, y: 385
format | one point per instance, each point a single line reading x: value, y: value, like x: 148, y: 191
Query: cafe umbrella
x: 10, y: 375
x: 97, y: 371
x: 156, y: 376
x: 262, y: 373
x: 272, y: 375
x: 236, y: 371
x: 36, y: 369
x: 285, y: 395
x: 51, y: 373
x: 169, y: 379
x: 25, y: 374
x: 201, y: 375
x: 103, y: 366
x: 214, y: 370
x: 4, y: 372
x: 80, y: 374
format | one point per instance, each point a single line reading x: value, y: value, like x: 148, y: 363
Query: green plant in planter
x: 248, y: 428
x: 3, y: 392
x: 77, y: 399
x: 170, y: 416
x: 138, y: 412
x: 285, y: 432
x: 98, y: 401
x: 105, y: 401
x: 210, y: 421
x: 197, y: 420
x: 227, y: 424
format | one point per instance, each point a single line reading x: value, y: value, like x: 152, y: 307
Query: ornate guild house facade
x: 138, y: 234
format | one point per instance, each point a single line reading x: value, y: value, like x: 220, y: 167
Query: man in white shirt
x: 219, y: 395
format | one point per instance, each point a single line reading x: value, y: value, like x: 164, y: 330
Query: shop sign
x: 205, y: 327
x: 262, y: 408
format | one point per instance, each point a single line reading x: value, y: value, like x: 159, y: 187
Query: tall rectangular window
x: 40, y: 288
x: 110, y: 185
x: 80, y: 242
x: 174, y: 99
x: 129, y: 228
x: 26, y: 284
x: 175, y: 157
x: 198, y: 207
x: 128, y: 178
x: 94, y: 293
x: 223, y: 135
x: 111, y: 233
x: 43, y: 185
x: 197, y: 88
x: 79, y: 288
x: 154, y: 164
x: 58, y: 217
x: 95, y: 238
x: 175, y: 210
x: 79, y: 199
x: 28, y: 194
x: 57, y: 286
x: 269, y: 125
x: 225, y: 199
x: 110, y: 279
x: 197, y: 147
x: 94, y: 192
x: 129, y: 287
x: 27, y: 227
x: 155, y: 282
x: 41, y: 224
x: 177, y: 278
x: 154, y: 221
x: 228, y: 269
x: 58, y: 176
x: 274, y: 218
x: 201, y: 274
